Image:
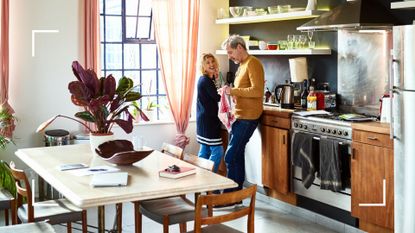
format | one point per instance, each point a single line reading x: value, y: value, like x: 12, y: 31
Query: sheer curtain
x: 176, y: 26
x: 91, y: 38
x: 4, y: 73
x: 91, y: 42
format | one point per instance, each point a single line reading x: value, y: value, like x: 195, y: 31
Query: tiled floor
x: 270, y: 216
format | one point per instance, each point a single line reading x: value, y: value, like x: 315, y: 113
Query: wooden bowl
x: 121, y: 152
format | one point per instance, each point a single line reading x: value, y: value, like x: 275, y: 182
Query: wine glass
x: 302, y: 39
x: 290, y: 42
x: 311, y: 43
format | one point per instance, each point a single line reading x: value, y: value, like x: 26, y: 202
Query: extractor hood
x: 355, y: 15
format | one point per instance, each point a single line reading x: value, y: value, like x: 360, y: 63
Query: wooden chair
x: 38, y: 227
x: 53, y: 211
x: 7, y: 201
x: 213, y: 222
x: 172, y: 150
x: 171, y: 210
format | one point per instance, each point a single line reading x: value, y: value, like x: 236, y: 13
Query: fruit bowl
x: 121, y: 152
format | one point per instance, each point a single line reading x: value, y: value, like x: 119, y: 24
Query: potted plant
x: 7, y: 125
x: 104, y: 103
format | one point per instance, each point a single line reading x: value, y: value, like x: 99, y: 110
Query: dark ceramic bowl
x: 121, y: 152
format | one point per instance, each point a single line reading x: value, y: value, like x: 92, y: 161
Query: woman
x: 208, y: 123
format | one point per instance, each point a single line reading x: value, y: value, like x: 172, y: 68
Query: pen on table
x: 97, y: 169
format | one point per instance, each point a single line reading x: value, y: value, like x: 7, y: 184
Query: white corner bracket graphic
x: 39, y: 31
x: 33, y: 197
x: 377, y: 204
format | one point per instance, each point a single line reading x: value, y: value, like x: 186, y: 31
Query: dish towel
x: 330, y: 167
x: 302, y: 156
x: 225, y: 110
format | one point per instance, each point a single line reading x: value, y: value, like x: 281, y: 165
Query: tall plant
x: 104, y: 102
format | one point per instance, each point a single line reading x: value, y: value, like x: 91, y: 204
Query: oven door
x: 341, y: 199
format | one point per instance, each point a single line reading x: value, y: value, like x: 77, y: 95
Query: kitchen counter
x: 277, y: 111
x: 376, y: 127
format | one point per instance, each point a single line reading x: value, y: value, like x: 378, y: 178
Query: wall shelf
x: 284, y: 52
x: 408, y: 5
x: 271, y: 17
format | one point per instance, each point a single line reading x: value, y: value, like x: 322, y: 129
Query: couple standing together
x: 247, y: 95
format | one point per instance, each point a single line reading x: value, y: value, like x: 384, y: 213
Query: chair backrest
x: 23, y: 189
x: 172, y: 150
x: 223, y: 199
x: 198, y: 161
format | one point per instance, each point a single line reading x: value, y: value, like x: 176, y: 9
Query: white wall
x: 38, y: 85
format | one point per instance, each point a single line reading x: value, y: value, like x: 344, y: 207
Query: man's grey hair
x: 233, y: 42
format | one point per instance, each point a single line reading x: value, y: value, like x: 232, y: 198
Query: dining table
x: 144, y: 182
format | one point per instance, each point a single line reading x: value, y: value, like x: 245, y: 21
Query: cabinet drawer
x: 376, y: 139
x: 274, y: 121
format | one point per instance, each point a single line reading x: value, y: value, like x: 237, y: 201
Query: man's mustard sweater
x: 248, y: 89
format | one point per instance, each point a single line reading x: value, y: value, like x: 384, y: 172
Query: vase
x: 96, y: 139
x: 311, y: 5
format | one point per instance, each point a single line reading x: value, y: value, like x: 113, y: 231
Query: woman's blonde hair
x: 205, y: 57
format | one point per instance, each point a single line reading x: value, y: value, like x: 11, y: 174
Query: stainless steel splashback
x: 363, y: 69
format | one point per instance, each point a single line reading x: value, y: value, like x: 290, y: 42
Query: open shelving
x: 271, y: 17
x: 316, y: 51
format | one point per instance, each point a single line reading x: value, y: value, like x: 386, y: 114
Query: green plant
x: 7, y: 122
x: 104, y: 103
x: 6, y: 178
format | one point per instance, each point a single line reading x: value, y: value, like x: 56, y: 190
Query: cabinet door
x: 370, y: 166
x: 275, y: 159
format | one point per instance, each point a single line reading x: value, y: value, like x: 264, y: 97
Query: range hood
x: 354, y: 15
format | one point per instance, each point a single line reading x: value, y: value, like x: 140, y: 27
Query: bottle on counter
x: 267, y: 95
x: 304, y: 95
x: 311, y: 100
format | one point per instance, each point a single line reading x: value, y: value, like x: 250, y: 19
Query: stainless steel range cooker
x: 322, y: 126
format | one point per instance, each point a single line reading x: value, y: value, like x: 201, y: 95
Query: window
x: 128, y: 48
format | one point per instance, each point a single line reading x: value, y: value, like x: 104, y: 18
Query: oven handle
x: 340, y: 142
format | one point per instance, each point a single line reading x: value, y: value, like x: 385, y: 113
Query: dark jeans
x: 242, y: 131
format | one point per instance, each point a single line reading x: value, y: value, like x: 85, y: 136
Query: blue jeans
x: 213, y: 153
x: 242, y: 131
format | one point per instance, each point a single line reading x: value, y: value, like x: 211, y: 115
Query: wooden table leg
x: 118, y: 207
x: 101, y: 219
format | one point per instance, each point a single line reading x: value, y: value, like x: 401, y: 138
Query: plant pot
x: 96, y: 139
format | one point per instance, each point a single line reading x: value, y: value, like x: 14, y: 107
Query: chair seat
x: 38, y: 227
x: 177, y: 209
x: 5, y: 198
x: 218, y: 228
x: 56, y: 211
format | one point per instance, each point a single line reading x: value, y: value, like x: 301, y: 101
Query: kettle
x: 285, y: 95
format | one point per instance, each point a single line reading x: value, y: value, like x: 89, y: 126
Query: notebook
x: 184, y: 171
x: 109, y: 179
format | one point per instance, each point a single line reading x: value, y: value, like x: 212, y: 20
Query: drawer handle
x: 283, y: 139
x: 274, y: 121
x: 353, y: 154
x: 372, y: 138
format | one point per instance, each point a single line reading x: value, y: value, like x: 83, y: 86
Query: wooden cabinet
x: 275, y: 152
x: 372, y: 169
x: 275, y: 158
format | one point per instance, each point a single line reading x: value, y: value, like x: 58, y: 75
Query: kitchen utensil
x: 285, y: 95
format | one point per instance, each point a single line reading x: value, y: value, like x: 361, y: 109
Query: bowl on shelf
x: 236, y: 11
x: 121, y: 152
x: 283, y: 8
x: 273, y: 9
x: 272, y: 46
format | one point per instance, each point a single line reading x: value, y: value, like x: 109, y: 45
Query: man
x: 247, y: 94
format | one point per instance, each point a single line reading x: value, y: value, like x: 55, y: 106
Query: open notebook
x: 111, y: 179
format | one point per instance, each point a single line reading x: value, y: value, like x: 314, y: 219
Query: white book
x: 109, y: 179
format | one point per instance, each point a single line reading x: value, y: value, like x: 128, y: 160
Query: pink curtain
x: 4, y: 74
x: 91, y: 41
x: 176, y: 26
